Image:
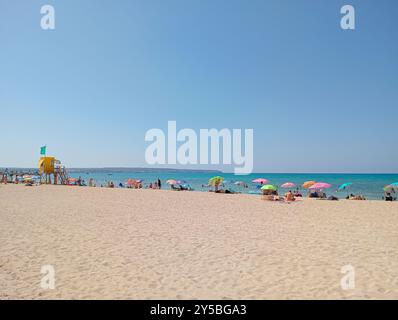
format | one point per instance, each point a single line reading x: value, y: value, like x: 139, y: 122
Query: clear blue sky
x: 320, y: 99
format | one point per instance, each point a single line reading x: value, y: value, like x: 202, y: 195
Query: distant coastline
x: 121, y: 170
x: 140, y: 170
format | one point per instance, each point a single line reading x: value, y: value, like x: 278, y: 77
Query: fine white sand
x: 144, y: 244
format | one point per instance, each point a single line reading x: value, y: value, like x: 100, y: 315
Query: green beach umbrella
x: 269, y: 187
x: 216, y: 180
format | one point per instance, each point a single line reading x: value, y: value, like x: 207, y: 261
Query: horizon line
x: 198, y: 170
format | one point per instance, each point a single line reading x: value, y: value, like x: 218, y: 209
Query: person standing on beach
x: 4, y: 179
x: 159, y: 184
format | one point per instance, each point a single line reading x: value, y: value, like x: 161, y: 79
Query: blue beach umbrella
x: 345, y: 186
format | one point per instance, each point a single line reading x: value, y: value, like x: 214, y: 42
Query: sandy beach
x: 146, y: 244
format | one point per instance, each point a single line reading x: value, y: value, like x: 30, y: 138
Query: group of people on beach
x: 355, y: 197
x: 130, y: 185
x: 14, y: 177
x: 155, y: 185
x: 268, y: 195
x: 273, y: 195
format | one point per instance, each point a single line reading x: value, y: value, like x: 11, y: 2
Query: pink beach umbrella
x: 321, y: 185
x: 288, y: 185
x: 260, y: 181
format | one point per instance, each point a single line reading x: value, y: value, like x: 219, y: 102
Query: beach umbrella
x: 260, y: 181
x: 269, y: 187
x: 320, y: 185
x: 394, y: 186
x: 288, y: 185
x: 139, y: 180
x: 130, y: 182
x: 171, y: 181
x: 216, y: 180
x: 391, y: 188
x: 345, y: 186
x: 181, y: 181
x: 308, y: 184
x: 239, y: 183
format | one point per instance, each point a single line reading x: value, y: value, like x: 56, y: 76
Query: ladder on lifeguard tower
x: 63, y: 175
x: 60, y: 173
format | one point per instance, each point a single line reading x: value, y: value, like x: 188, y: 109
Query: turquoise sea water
x: 369, y: 185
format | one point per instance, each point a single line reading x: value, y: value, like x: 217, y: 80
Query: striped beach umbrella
x: 391, y: 188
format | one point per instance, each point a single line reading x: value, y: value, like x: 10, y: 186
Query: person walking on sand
x: 159, y: 184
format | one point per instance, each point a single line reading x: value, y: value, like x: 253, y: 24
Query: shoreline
x: 365, y: 185
x: 167, y: 189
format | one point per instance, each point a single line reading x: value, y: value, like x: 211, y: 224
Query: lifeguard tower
x: 51, y: 167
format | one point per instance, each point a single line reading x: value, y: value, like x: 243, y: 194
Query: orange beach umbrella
x: 308, y: 184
